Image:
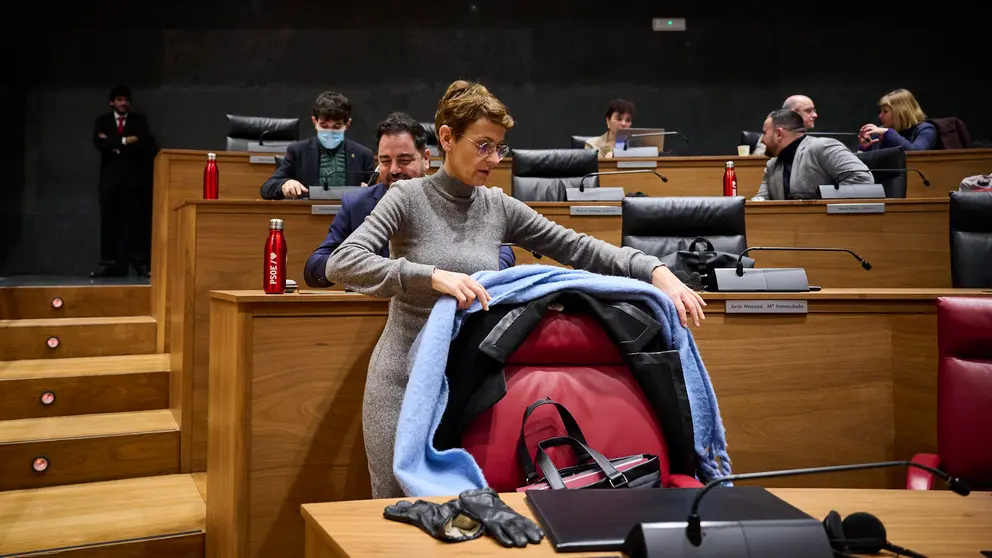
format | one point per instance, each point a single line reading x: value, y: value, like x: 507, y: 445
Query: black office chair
x: 894, y: 183
x: 663, y: 226
x: 243, y: 130
x: 750, y: 139
x: 971, y: 240
x: 579, y: 142
x: 544, y: 174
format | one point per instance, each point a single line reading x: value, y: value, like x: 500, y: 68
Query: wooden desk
x: 907, y: 245
x: 930, y: 523
x: 179, y: 176
x: 851, y: 381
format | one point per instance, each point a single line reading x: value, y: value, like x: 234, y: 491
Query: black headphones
x: 860, y: 533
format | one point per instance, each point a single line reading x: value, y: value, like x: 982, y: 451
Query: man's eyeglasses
x: 487, y: 148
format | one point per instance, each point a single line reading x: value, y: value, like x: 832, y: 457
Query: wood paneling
x: 144, y: 517
x: 83, y: 394
x: 77, y: 337
x: 794, y: 391
x: 17, y: 303
x: 357, y: 529
x: 179, y: 176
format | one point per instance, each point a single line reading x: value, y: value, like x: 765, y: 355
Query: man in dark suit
x: 403, y: 155
x: 127, y: 149
x: 330, y: 159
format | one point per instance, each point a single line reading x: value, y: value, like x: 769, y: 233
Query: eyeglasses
x: 486, y: 148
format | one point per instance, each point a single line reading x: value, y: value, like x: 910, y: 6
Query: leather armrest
x: 918, y: 479
x: 683, y: 481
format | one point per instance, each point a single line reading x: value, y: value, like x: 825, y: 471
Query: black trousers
x: 125, y: 228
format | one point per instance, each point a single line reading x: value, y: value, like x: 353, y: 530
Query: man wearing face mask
x: 403, y: 155
x: 330, y: 159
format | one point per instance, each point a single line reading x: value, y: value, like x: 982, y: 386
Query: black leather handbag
x: 692, y: 266
x: 593, y: 471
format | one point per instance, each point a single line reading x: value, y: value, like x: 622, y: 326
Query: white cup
x: 743, y: 150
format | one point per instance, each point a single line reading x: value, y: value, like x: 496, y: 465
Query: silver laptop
x: 641, y: 138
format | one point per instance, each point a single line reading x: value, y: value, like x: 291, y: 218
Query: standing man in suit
x: 801, y: 163
x: 127, y: 149
x: 330, y: 159
x: 403, y: 154
x: 798, y: 103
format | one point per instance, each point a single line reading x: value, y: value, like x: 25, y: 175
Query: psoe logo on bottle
x: 272, y: 256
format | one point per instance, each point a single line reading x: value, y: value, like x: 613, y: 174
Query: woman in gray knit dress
x: 441, y: 229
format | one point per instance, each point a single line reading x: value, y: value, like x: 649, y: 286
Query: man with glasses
x: 403, y: 154
x: 330, y: 159
x: 801, y: 163
x: 798, y: 103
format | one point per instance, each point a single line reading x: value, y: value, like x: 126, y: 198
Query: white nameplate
x: 324, y: 209
x: 637, y: 164
x: 595, y: 210
x: 262, y: 159
x: 848, y: 208
x: 436, y: 163
x: 766, y: 307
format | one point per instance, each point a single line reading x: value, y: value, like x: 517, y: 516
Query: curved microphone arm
x: 694, y: 527
x: 582, y: 187
x: 740, y: 259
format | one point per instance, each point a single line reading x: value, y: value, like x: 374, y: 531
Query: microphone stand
x: 740, y: 259
x: 654, y: 172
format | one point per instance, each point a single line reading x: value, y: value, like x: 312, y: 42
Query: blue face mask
x: 330, y: 138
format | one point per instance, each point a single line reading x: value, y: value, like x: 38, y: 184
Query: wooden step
x: 74, y: 301
x: 76, y: 337
x: 87, y: 448
x: 162, y: 516
x: 79, y: 386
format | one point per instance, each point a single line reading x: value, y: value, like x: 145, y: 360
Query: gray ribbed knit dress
x: 439, y: 221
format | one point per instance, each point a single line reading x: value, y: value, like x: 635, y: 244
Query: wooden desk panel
x: 932, y: 523
x: 852, y: 381
x: 220, y: 246
x: 907, y: 245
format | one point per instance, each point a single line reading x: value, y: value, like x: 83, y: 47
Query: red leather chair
x: 964, y: 395
x: 571, y: 359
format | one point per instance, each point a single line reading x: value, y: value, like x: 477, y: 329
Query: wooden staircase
x: 89, y: 450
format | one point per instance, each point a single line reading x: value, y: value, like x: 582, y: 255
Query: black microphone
x: 904, y: 171
x: 632, y: 136
x: 740, y: 259
x: 693, y: 530
x: 582, y: 187
x: 261, y: 137
x: 534, y: 253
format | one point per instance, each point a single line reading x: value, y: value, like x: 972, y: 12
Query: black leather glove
x: 445, y: 522
x: 508, y: 527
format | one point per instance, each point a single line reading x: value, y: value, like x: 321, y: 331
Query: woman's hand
x: 872, y: 131
x: 686, y: 300
x: 465, y: 289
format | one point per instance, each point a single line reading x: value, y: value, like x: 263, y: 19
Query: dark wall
x: 555, y: 64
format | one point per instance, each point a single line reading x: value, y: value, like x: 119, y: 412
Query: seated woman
x: 619, y: 115
x: 903, y: 125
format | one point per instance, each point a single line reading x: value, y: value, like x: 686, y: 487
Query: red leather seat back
x: 570, y: 359
x: 964, y: 388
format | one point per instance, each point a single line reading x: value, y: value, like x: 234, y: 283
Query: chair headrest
x: 431, y: 132
x: 971, y: 211
x: 251, y: 127
x: 696, y: 216
x: 554, y: 163
x: 561, y: 338
x: 964, y: 327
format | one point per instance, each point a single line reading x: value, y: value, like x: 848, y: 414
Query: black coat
x: 487, y: 339
x: 302, y: 163
x: 124, y: 166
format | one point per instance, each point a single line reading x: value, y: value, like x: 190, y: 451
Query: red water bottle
x: 730, y: 180
x: 211, y: 178
x: 274, y: 280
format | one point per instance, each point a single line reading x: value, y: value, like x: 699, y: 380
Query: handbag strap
x: 551, y: 474
x: 571, y: 428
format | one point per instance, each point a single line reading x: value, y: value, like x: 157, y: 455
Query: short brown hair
x: 620, y: 106
x: 464, y: 103
x: 331, y: 105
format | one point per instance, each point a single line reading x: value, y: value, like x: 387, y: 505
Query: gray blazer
x: 818, y: 161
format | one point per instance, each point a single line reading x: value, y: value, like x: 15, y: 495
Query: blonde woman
x: 903, y: 125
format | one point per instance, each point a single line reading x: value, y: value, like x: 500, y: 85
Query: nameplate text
x: 324, y: 209
x: 766, y: 307
x: 595, y: 210
x: 848, y: 208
